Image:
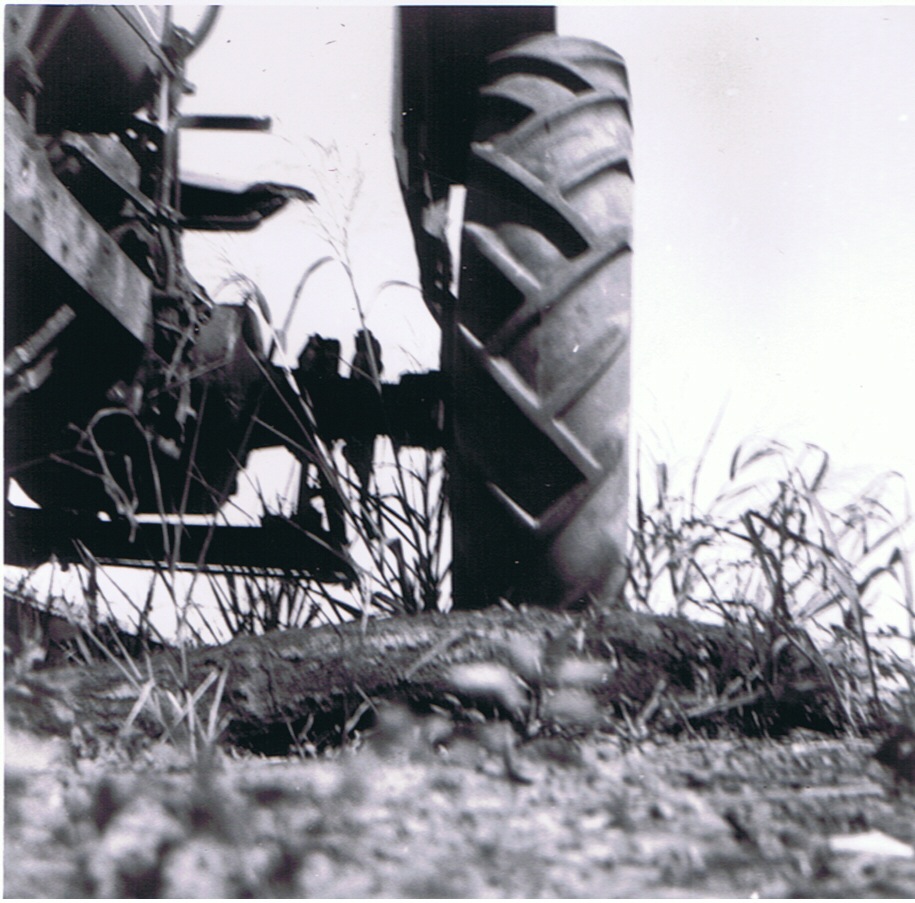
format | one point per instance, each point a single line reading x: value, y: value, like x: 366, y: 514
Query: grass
x: 774, y: 555
x: 390, y: 501
x: 779, y: 551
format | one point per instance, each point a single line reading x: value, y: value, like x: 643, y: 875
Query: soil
x: 414, y: 808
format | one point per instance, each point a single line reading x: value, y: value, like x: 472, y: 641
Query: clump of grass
x: 185, y: 715
x: 394, y: 504
x: 779, y: 552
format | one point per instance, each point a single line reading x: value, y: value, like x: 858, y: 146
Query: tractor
x: 132, y: 399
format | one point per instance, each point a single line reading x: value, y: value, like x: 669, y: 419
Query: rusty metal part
x: 19, y: 26
x: 43, y: 209
x: 212, y: 204
x: 215, y: 122
x: 106, y: 158
x: 30, y: 363
x: 32, y: 536
x: 30, y: 379
x: 24, y: 354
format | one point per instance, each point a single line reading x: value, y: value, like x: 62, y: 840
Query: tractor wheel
x: 538, y: 347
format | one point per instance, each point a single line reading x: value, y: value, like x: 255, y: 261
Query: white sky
x: 775, y: 207
x: 775, y: 224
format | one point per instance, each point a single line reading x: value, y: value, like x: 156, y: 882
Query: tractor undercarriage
x: 133, y: 400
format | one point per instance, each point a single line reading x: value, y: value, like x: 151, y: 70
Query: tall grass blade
x: 840, y: 569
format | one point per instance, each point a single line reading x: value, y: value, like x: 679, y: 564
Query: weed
x: 391, y: 499
x: 775, y: 552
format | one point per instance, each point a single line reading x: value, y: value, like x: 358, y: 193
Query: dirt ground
x: 413, y: 811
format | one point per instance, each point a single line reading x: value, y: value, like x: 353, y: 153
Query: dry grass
x: 781, y: 552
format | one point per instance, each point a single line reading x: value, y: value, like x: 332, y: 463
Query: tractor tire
x: 537, y: 349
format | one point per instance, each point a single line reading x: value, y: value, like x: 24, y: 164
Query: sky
x: 775, y: 224
x: 774, y: 273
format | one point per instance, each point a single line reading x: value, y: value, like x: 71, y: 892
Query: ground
x: 417, y: 811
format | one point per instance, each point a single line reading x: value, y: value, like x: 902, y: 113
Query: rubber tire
x: 537, y: 349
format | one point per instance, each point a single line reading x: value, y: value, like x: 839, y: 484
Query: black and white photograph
x: 459, y: 451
